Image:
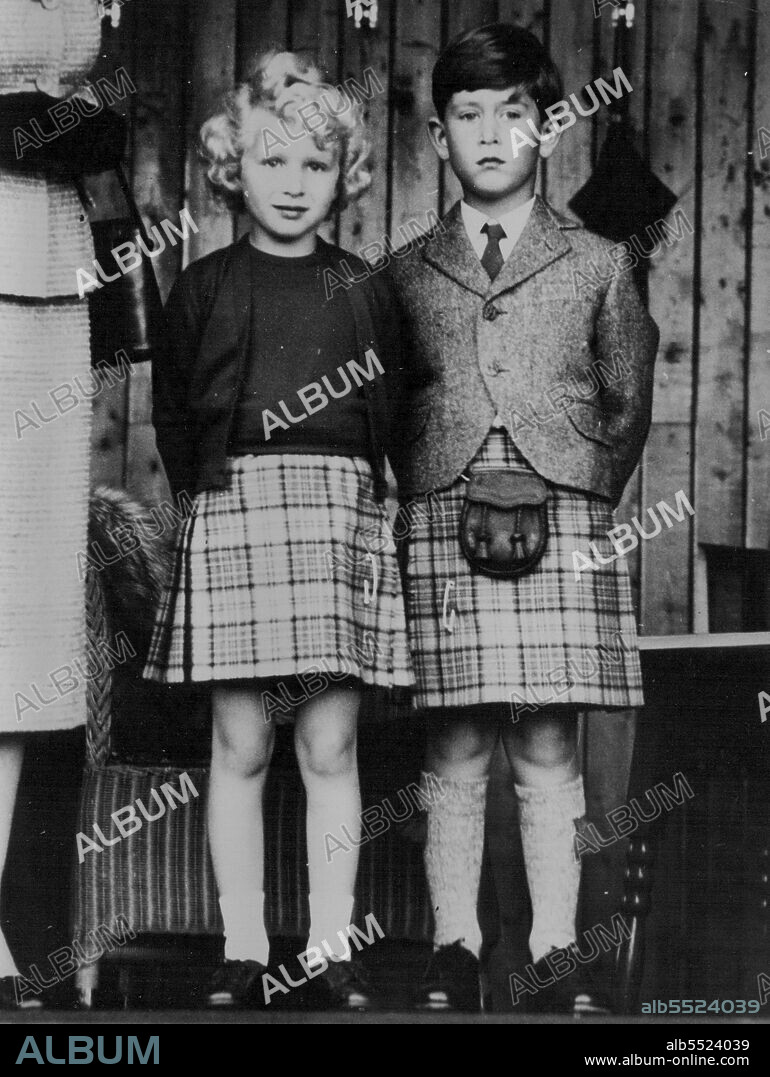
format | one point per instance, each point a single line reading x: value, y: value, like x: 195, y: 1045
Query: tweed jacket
x: 559, y: 346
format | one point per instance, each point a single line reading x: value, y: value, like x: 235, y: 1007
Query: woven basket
x: 161, y: 879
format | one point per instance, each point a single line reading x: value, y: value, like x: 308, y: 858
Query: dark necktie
x: 492, y: 259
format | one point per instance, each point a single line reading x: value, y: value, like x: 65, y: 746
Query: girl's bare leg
x: 325, y: 740
x: 242, y: 746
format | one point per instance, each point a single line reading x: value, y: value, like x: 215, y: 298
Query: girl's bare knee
x: 242, y: 743
x: 326, y: 754
x: 241, y: 761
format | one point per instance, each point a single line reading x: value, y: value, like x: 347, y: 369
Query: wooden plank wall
x: 700, y: 78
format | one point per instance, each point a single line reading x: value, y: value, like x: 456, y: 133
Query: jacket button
x: 491, y: 312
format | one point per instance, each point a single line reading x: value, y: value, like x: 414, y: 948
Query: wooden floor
x: 260, y: 1017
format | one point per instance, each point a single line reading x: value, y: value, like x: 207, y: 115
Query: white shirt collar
x: 513, y: 222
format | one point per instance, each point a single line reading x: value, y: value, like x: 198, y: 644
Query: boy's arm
x: 170, y: 374
x: 626, y: 343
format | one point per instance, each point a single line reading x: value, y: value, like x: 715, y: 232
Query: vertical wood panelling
x: 611, y: 734
x: 211, y: 72
x: 158, y: 176
x: 461, y: 17
x: 588, y: 133
x: 110, y: 409
x: 456, y: 19
x: 634, y: 67
x: 314, y: 26
x: 758, y: 464
x: 636, y: 62
x: 720, y: 415
x: 158, y: 134
x: 183, y: 55
x: 571, y: 45
x: 366, y: 221
x: 531, y: 14
x: 260, y: 26
x: 666, y: 597
x: 414, y: 165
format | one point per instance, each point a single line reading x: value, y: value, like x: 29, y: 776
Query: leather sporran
x: 504, y: 522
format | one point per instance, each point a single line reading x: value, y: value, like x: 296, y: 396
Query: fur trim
x: 129, y: 546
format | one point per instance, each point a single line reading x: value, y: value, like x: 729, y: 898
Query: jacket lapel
x: 452, y: 252
x: 541, y: 243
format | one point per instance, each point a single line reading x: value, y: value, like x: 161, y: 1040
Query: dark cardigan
x: 200, y: 368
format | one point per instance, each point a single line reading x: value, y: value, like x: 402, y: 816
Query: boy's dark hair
x: 494, y: 57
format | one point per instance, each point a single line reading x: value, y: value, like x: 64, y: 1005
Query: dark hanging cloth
x: 623, y: 196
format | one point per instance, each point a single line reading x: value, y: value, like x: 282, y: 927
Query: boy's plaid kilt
x: 277, y: 575
x: 543, y: 638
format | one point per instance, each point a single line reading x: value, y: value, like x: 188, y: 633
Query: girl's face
x: 289, y: 186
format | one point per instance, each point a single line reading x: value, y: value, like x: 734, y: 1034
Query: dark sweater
x: 298, y: 338
x: 200, y: 364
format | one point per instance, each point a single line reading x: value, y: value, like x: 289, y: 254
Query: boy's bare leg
x: 325, y: 740
x: 458, y: 753
x: 542, y: 751
x: 242, y: 745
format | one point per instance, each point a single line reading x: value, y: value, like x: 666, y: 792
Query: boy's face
x: 289, y: 189
x: 475, y: 137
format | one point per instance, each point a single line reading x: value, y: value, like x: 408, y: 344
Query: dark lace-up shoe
x: 344, y: 985
x: 236, y: 984
x: 580, y: 993
x: 451, y: 981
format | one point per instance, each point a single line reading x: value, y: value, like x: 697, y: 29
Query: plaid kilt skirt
x: 274, y: 576
x: 540, y: 639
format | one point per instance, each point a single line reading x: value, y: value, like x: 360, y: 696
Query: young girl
x: 271, y: 404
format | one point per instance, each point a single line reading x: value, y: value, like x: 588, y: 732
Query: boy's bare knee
x: 546, y: 741
x: 461, y: 743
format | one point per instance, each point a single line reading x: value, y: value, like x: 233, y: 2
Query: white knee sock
x: 245, y: 934
x: 547, y: 817
x: 453, y: 861
x: 330, y: 917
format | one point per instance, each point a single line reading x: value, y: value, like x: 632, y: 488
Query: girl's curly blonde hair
x: 284, y: 82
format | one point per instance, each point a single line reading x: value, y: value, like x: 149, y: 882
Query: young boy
x: 504, y: 409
